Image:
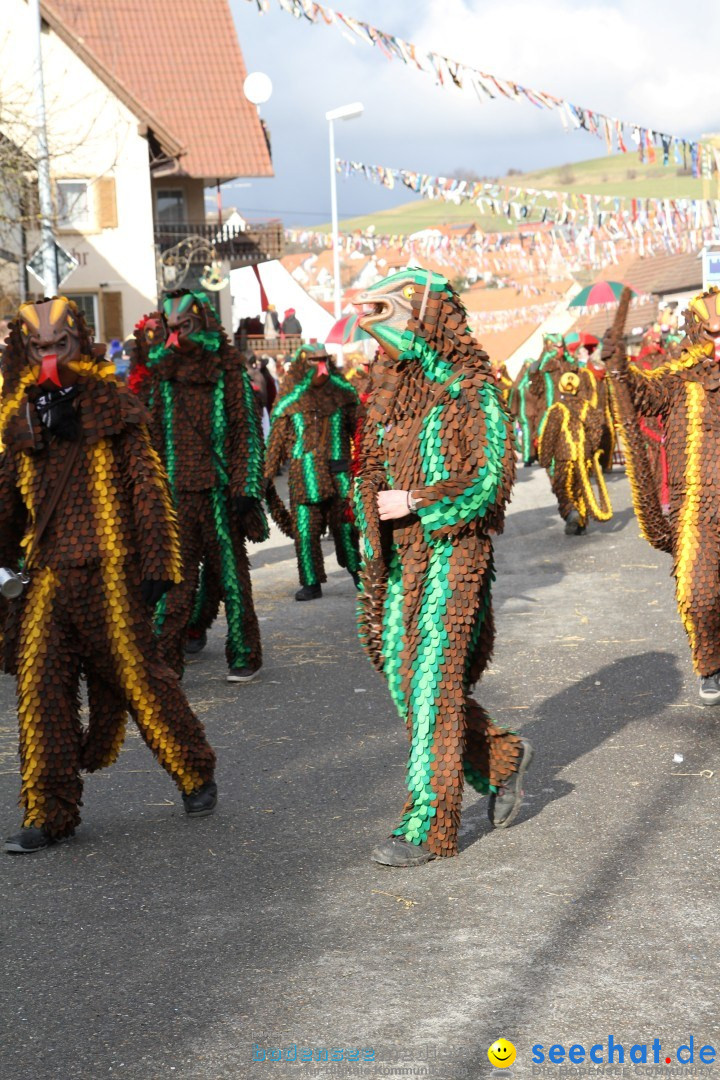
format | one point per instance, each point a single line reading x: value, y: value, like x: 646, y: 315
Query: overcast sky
x: 653, y: 62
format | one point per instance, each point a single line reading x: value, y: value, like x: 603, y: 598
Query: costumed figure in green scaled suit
x: 312, y: 426
x: 525, y: 409
x: 207, y: 430
x: 436, y: 469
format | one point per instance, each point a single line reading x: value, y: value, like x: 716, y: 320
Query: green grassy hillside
x: 620, y: 174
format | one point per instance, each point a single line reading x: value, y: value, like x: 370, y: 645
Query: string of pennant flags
x: 652, y: 146
x: 558, y: 207
x: 494, y: 322
x: 556, y: 254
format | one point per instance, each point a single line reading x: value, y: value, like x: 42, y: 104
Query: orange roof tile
x: 180, y: 61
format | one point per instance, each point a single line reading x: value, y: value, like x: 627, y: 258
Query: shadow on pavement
x: 577, y: 720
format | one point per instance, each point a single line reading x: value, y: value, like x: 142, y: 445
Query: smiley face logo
x: 501, y: 1054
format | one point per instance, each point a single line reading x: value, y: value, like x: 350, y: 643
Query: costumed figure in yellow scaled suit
x: 84, y: 501
x: 570, y: 451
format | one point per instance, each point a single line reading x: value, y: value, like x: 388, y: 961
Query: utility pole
x: 47, y: 240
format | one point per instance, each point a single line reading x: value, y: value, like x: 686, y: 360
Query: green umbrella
x: 600, y: 292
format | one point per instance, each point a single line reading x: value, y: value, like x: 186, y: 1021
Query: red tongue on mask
x: 172, y: 341
x: 49, y: 370
x: 322, y: 368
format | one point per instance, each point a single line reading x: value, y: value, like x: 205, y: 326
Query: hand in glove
x: 244, y: 504
x: 153, y: 591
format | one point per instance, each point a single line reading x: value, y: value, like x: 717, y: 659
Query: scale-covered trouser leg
x: 207, y: 598
x: 94, y: 616
x: 209, y: 530
x: 697, y: 588
x: 437, y: 637
x: 173, y: 614
x: 309, y: 522
x: 345, y: 535
x: 567, y: 491
x: 242, y: 643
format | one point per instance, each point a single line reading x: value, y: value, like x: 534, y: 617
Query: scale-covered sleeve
x: 13, y: 514
x: 154, y: 515
x: 246, y: 449
x: 477, y: 431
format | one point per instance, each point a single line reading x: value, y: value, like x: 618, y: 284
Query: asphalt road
x: 152, y: 946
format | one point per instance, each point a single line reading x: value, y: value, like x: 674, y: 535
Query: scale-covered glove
x: 153, y: 591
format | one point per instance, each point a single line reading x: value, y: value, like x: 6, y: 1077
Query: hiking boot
x: 29, y: 840
x: 504, y: 806
x: 572, y: 524
x: 398, y: 852
x: 202, y: 802
x: 309, y: 592
x: 710, y: 689
x: 196, y: 642
x: 242, y: 674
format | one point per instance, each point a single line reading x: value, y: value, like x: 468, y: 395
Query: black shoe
x: 29, y: 840
x: 309, y: 592
x: 242, y: 674
x: 504, y: 806
x: 194, y: 645
x: 527, y: 464
x: 572, y: 524
x: 710, y: 689
x: 202, y: 802
x: 356, y: 578
x: 398, y: 852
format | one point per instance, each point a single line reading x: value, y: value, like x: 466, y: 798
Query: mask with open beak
x: 52, y: 339
x: 702, y: 320
x: 315, y: 359
x: 153, y: 330
x: 404, y: 306
x: 185, y: 324
x: 554, y: 345
x: 569, y: 383
x: 395, y: 309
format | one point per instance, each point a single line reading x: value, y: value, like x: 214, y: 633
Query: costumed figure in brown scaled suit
x: 570, y: 448
x: 312, y: 426
x: 84, y: 501
x: 685, y: 393
x: 150, y: 334
x: 207, y: 429
x: 437, y: 466
x: 653, y: 355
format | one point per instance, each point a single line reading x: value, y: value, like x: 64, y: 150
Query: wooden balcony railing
x: 242, y: 247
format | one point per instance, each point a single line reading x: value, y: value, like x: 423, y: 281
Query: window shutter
x: 112, y: 315
x: 106, y: 203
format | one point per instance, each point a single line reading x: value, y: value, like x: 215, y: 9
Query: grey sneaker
x: 710, y: 689
x: 202, y: 802
x: 242, y: 674
x: 572, y: 524
x: 398, y: 852
x: 29, y: 840
x: 505, y: 806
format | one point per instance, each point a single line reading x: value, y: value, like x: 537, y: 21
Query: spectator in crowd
x: 272, y: 323
x: 291, y: 323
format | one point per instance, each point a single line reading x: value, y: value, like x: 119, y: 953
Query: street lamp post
x: 345, y: 112
x: 42, y: 157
